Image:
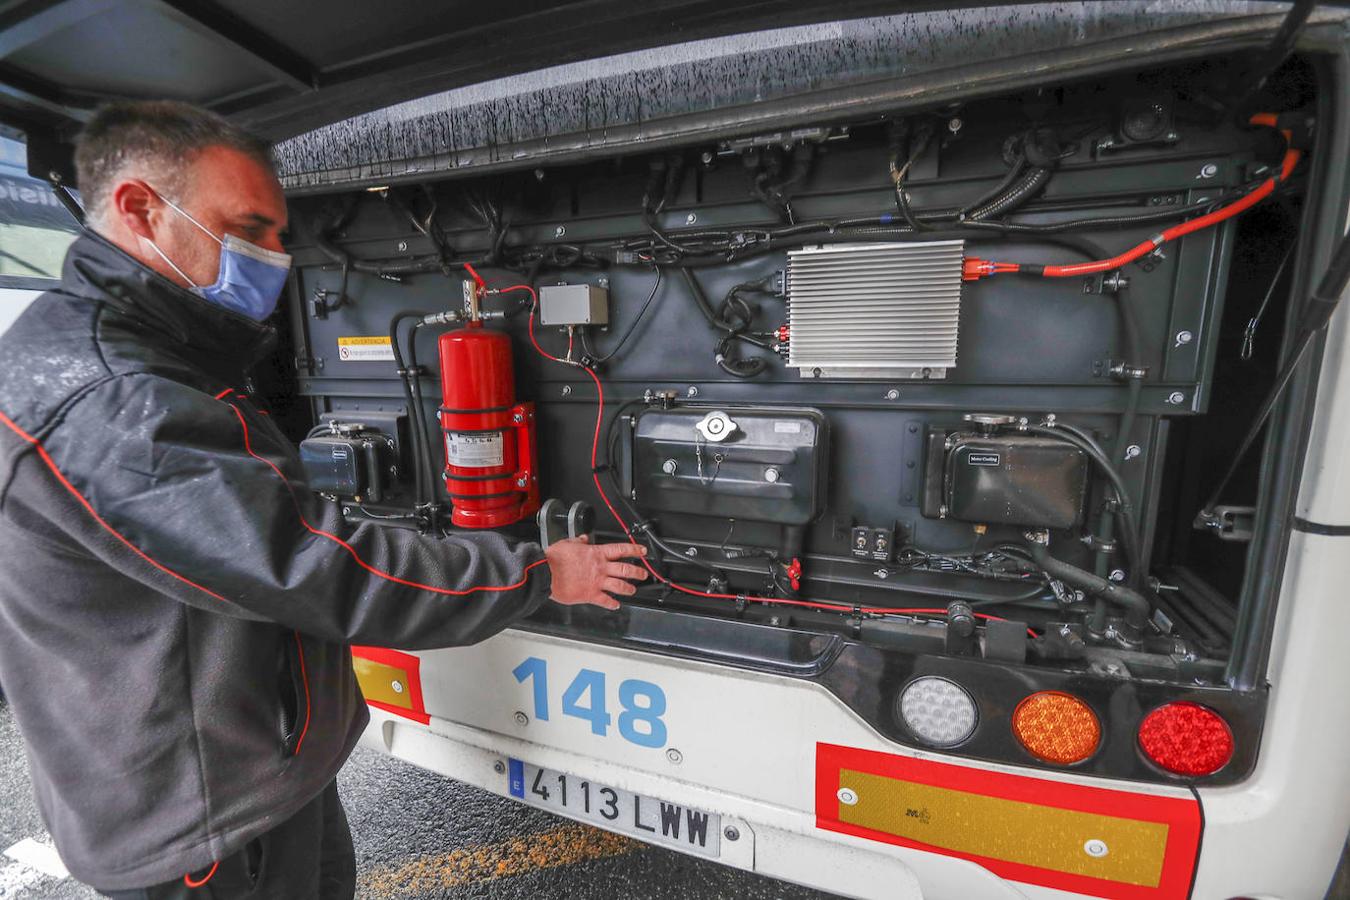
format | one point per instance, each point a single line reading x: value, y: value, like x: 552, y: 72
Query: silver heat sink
x: 874, y: 310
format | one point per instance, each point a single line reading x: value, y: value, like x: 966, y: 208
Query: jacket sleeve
x: 205, y: 500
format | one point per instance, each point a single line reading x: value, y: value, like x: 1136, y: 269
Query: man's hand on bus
x: 586, y: 573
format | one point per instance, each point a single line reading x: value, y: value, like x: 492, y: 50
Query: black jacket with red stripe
x: 175, y: 605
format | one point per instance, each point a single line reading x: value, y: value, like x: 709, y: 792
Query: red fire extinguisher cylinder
x: 490, y: 459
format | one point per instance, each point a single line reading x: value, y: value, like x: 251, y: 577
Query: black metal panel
x: 1027, y: 346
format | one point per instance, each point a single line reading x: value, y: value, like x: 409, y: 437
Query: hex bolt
x: 1176, y: 398
x: 538, y: 174
x: 397, y: 686
x: 847, y: 796
x: 692, y: 392
x: 499, y: 767
x: 1096, y: 848
x: 675, y: 756
x: 346, y: 510
x: 1209, y: 170
x: 954, y: 124
x: 731, y: 833
x: 1117, y: 575
x: 706, y: 157
x: 566, y: 390
x: 691, y: 219
x: 892, y: 394
x: 560, y: 231
x: 669, y: 466
x: 518, y: 418
x: 1184, y: 337
x: 402, y: 246
x: 1133, y: 451
x: 691, y: 551
x: 521, y: 718
x: 771, y: 475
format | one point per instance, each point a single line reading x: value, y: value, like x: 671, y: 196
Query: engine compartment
x: 899, y: 382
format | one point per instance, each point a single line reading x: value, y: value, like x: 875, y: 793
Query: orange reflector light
x: 1187, y: 739
x: 1057, y: 727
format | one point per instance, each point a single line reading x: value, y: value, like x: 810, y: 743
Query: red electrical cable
x: 974, y: 268
x: 600, y: 489
x: 187, y: 879
x: 478, y: 279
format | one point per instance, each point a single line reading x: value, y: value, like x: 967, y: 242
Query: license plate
x: 643, y: 817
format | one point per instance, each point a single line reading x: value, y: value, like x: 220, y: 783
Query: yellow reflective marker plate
x: 1096, y: 841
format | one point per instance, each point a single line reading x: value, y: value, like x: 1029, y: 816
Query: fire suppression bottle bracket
x: 557, y: 521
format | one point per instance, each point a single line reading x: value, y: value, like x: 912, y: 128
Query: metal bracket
x: 1228, y: 523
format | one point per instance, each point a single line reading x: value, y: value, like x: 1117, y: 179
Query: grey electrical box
x: 573, y: 304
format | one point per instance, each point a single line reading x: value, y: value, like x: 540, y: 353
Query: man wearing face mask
x: 177, y: 606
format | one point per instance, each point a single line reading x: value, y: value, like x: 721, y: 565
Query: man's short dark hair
x: 160, y: 138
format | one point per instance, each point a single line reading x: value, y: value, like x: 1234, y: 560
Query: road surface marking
x: 38, y: 855
x: 516, y: 856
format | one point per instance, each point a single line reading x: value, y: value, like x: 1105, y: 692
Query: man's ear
x: 135, y: 204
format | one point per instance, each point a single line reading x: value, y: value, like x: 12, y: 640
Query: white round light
x: 938, y: 711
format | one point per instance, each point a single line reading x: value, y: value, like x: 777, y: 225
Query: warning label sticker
x: 475, y: 450
x: 364, y: 349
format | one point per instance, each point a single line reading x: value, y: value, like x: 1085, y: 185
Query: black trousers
x: 307, y: 857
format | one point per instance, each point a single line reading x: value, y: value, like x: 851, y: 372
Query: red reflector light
x: 1187, y: 739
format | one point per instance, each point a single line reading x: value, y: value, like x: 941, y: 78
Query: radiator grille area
x: 874, y: 310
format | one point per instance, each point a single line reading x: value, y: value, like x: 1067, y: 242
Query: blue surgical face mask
x: 250, y: 279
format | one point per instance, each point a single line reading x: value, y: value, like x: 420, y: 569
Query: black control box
x: 348, y: 464
x: 1004, y: 479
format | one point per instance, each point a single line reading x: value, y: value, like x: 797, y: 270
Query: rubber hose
x: 1128, y: 534
x: 419, y: 421
x: 1136, y: 605
x: 419, y: 464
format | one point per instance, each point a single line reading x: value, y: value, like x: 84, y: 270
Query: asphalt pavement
x: 420, y: 836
